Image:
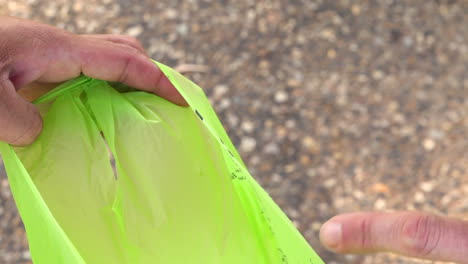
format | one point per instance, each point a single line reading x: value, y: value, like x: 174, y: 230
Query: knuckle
x: 126, y: 49
x: 366, y: 232
x: 421, y: 233
x: 5, y: 61
x: 6, y: 58
x: 36, y: 35
x: 5, y: 52
x: 51, y: 38
x: 133, y: 40
x: 134, y: 51
x: 128, y: 59
x: 41, y: 37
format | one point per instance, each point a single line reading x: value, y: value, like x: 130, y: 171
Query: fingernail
x: 331, y: 234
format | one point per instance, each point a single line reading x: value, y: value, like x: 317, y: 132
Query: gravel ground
x: 336, y: 106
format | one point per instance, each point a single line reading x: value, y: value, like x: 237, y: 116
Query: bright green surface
x: 181, y: 193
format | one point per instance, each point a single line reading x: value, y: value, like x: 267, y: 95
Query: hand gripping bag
x: 174, y: 189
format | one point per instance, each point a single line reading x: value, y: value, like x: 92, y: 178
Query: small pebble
x: 182, y: 29
x: 248, y: 144
x: 377, y: 75
x: 281, y: 96
x: 134, y: 31
x: 427, y: 186
x: 380, y: 204
x: 170, y: 13
x: 429, y: 144
x: 311, y: 144
x: 331, y: 53
x: 356, y: 10
x: 316, y: 226
x: 380, y: 188
x: 276, y: 178
x: 329, y: 183
x: 220, y: 90
x: 419, y: 197
x: 271, y: 148
x: 248, y: 126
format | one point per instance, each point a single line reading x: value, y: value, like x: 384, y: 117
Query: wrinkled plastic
x: 179, y: 192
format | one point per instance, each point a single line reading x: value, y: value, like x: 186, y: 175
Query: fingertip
x: 331, y: 235
x: 167, y: 90
x: 348, y: 233
x: 179, y: 100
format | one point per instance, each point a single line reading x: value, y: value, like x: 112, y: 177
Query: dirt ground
x: 335, y: 106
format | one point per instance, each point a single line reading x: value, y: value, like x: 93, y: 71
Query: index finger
x: 112, y: 62
x: 408, y: 233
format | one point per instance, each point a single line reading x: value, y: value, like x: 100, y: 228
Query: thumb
x: 408, y: 233
x: 20, y: 122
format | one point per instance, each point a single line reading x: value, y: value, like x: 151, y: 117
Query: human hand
x: 412, y: 234
x: 34, y: 52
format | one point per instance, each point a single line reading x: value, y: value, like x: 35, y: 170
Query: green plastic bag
x: 180, y: 192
